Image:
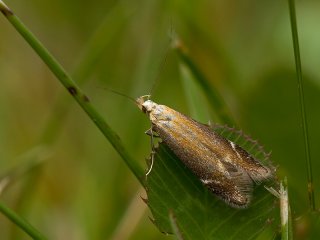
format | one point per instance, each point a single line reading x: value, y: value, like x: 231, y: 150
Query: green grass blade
x: 197, y: 104
x: 297, y: 58
x: 30, y: 162
x: 23, y: 224
x: 213, y: 96
x: 74, y: 90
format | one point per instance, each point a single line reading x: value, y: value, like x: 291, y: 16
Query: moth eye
x: 143, y: 108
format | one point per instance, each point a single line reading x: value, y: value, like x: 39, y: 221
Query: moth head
x: 145, y: 104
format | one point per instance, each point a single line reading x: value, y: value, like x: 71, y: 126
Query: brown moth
x: 225, y: 168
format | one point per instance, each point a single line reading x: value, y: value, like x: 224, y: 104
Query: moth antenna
x: 148, y: 96
x: 172, y: 38
x: 154, y: 85
x: 120, y: 94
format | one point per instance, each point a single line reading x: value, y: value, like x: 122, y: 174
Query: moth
x: 225, y: 168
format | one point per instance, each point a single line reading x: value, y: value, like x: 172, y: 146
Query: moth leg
x: 273, y: 191
x: 152, y: 134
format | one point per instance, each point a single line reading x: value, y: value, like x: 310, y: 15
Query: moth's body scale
x: 221, y: 165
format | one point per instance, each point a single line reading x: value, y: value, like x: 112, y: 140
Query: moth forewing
x: 239, y: 157
x: 222, y: 166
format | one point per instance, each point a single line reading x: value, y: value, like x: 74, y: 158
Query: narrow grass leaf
x: 196, y: 102
x: 74, y: 90
x: 296, y: 50
x: 23, y: 224
x: 212, y: 95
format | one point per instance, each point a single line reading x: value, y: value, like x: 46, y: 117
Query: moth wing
x: 241, y: 178
x: 234, y: 187
x: 261, y: 171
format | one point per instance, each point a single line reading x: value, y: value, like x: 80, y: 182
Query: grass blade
x: 196, y: 102
x: 212, y: 95
x: 73, y: 89
x: 23, y: 224
x: 295, y: 40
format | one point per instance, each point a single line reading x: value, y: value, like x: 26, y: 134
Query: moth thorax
x: 149, y: 105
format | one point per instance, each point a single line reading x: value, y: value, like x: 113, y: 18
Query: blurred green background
x: 82, y: 189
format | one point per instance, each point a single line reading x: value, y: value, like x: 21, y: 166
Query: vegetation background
x: 81, y: 189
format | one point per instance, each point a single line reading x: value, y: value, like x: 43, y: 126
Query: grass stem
x: 295, y: 39
x: 22, y: 223
x: 73, y: 89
